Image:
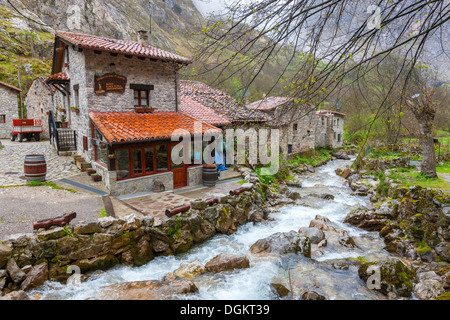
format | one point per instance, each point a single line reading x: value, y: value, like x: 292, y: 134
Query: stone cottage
x: 9, y: 108
x: 301, y: 120
x: 221, y: 110
x: 330, y: 129
x: 124, y: 107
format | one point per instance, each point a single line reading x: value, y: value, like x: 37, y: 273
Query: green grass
x: 443, y: 168
x: 35, y: 183
x: 317, y: 157
x: 409, y: 178
x: 102, y: 213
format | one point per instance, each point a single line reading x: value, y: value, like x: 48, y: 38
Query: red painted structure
x: 26, y: 129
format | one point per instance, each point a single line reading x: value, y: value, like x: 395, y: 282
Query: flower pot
x: 96, y: 178
x: 143, y: 110
x: 76, y: 110
x: 64, y: 124
x: 91, y: 172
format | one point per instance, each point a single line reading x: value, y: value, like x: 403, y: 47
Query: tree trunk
x: 428, y: 165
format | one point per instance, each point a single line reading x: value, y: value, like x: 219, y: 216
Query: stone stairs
x: 81, y: 164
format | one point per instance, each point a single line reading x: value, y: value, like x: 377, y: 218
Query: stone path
x: 13, y: 154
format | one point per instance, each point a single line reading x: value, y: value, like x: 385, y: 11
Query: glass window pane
x: 136, y: 102
x: 137, y: 161
x: 102, y: 153
x: 177, y: 166
x: 144, y: 95
x: 149, y: 160
x: 161, y: 158
x: 136, y: 93
x: 122, y: 163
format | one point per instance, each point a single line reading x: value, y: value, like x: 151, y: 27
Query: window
x: 338, y: 122
x: 323, y: 121
x: 76, y: 98
x: 295, y: 126
x: 2, y: 118
x: 141, y: 98
x: 141, y: 161
x: 100, y: 147
x: 339, y: 137
x: 289, y: 148
x: 161, y: 158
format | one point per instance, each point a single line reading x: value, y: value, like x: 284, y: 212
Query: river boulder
x: 227, y: 262
x: 147, y: 290
x: 190, y: 269
x: 283, y: 243
x: 314, y: 234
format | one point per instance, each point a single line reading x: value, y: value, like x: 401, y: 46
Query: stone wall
x: 27, y: 260
x: 9, y: 108
x: 195, y: 176
x: 330, y: 131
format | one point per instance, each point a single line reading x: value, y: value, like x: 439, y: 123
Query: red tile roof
x: 10, y: 86
x: 119, y: 46
x: 132, y: 126
x: 220, y: 102
x: 201, y: 112
x: 268, y: 103
x: 60, y: 76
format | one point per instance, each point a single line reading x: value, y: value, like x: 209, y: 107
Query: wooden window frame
x: 93, y: 128
x: 2, y: 118
x: 139, y: 91
x: 144, y: 173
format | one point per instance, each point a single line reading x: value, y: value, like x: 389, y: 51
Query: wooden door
x: 179, y: 173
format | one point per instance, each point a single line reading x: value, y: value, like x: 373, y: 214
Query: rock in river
x: 282, y: 243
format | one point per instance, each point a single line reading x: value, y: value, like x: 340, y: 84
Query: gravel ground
x: 21, y: 206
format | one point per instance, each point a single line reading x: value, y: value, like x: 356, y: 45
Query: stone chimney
x: 142, y: 37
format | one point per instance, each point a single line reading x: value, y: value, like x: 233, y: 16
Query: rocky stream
x: 270, y: 271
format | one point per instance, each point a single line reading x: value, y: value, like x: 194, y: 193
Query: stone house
x: 41, y: 98
x: 124, y: 108
x: 330, y: 129
x: 300, y: 120
x: 221, y: 110
x: 9, y: 108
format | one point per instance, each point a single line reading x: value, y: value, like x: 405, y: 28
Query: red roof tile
x: 10, y: 86
x: 201, y: 112
x: 119, y: 46
x: 220, y: 102
x: 60, y: 76
x: 132, y: 126
x: 268, y: 103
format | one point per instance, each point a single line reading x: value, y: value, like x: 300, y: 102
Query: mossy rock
x: 445, y: 296
x: 395, y: 276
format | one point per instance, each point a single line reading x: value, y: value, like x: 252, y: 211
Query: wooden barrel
x: 35, y: 167
x: 209, y: 175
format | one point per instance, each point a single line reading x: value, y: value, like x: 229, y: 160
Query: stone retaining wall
x: 28, y: 260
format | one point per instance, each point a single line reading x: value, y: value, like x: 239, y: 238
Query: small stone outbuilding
x: 9, y: 108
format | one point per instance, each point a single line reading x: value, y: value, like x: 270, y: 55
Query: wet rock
x: 314, y: 234
x: 227, y: 262
x: 36, y: 277
x: 325, y: 196
x: 14, y: 272
x: 3, y: 275
x: 280, y: 290
x: 105, y: 222
x: 366, y: 219
x: 282, y: 243
x: 428, y: 289
x: 322, y: 244
x: 395, y: 276
x: 340, y: 155
x: 443, y: 250
x: 293, y: 195
x: 5, y: 254
x: 312, y: 295
x: 147, y: 290
x: 190, y: 269
x: 347, y: 242
x: 16, y: 295
x: 321, y: 223
x: 294, y: 183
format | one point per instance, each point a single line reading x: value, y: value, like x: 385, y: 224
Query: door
x: 179, y: 172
